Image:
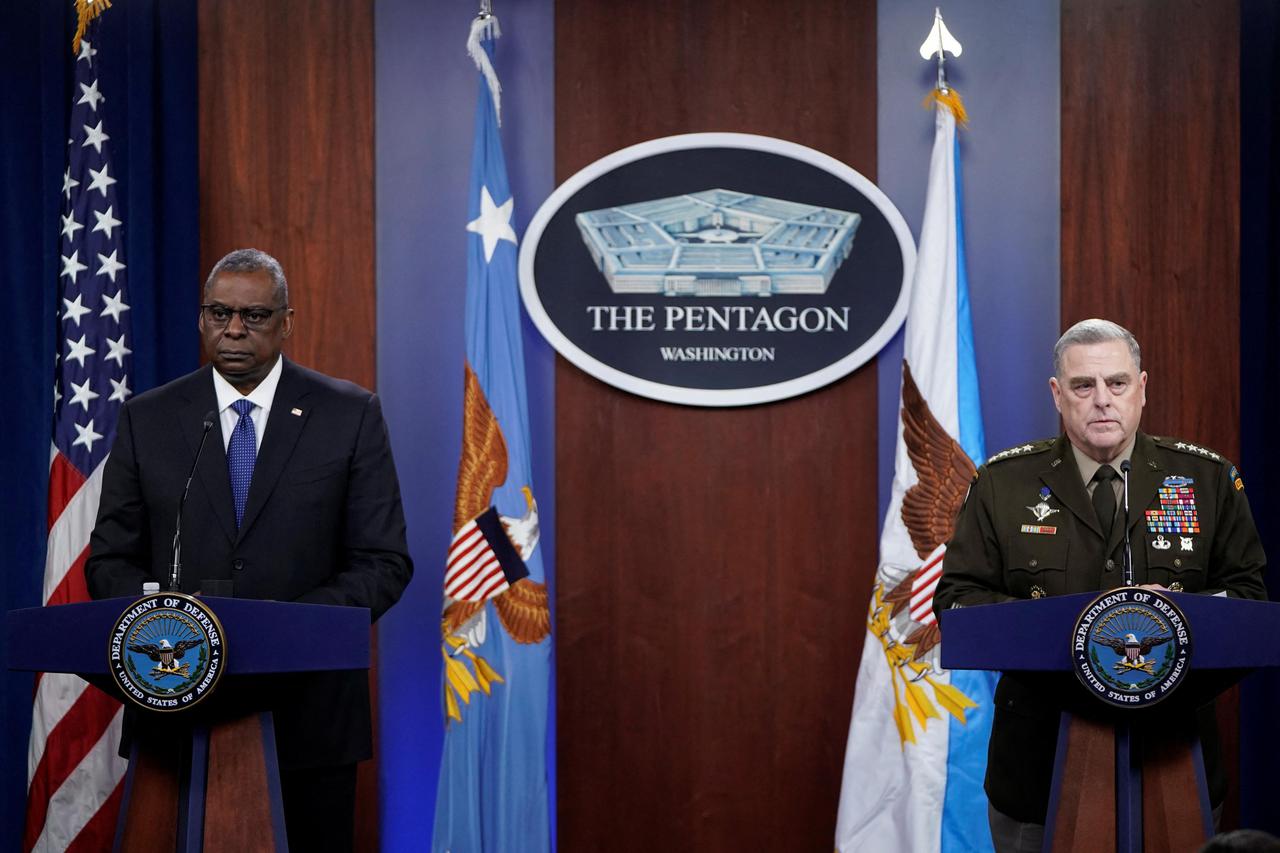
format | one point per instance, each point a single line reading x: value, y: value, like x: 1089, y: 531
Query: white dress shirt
x: 261, y: 397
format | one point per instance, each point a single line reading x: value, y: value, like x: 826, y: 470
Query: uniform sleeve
x: 1237, y: 562
x: 119, y: 546
x: 377, y: 566
x: 973, y: 568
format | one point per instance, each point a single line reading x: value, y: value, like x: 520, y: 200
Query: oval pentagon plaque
x: 717, y: 269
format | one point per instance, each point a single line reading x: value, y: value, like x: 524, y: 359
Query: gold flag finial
x: 86, y: 11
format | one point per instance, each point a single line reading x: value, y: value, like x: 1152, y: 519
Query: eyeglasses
x: 255, y: 318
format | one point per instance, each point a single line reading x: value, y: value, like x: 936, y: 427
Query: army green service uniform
x: 1028, y: 529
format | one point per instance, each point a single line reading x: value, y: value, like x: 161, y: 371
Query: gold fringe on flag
x: 950, y: 99
x: 86, y: 11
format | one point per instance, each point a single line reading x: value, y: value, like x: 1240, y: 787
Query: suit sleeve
x: 1237, y: 561
x: 376, y: 562
x: 118, y: 547
x: 973, y: 568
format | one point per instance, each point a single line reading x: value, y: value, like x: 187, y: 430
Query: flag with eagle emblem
x: 496, y: 621
x: 916, y: 754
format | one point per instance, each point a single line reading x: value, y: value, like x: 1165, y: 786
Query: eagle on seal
x: 164, y: 652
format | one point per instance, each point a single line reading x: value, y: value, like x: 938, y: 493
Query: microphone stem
x: 175, y: 567
x: 1128, y: 548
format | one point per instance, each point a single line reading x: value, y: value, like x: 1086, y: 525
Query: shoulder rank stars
x: 1191, y: 448
x: 1177, y: 512
x: 1012, y: 451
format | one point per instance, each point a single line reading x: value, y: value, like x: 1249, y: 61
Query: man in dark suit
x: 1045, y: 518
x: 295, y: 499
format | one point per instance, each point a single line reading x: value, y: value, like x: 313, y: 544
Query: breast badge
x: 167, y: 651
x: 1131, y: 647
x: 1042, y: 510
x: 1177, y: 512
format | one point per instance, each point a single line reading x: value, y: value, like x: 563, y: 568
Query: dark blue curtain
x: 147, y: 69
x: 1260, y: 374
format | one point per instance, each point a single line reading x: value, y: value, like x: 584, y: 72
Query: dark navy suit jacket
x: 323, y: 524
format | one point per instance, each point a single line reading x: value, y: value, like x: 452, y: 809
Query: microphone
x: 175, y: 568
x: 1128, y: 549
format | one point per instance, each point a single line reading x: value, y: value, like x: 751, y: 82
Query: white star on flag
x: 91, y: 95
x: 101, y: 180
x: 83, y: 394
x: 68, y: 182
x: 115, y: 305
x: 493, y: 223
x: 106, y: 222
x: 75, y: 309
x: 71, y: 266
x: 119, y: 389
x: 118, y: 350
x: 70, y: 226
x: 110, y: 266
x: 86, y: 436
x: 94, y: 136
x: 87, y: 51
x: 79, y: 350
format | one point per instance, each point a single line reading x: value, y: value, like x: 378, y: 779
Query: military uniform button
x: 237, y: 564
x: 1033, y: 564
x: 1111, y: 564
x: 1177, y: 561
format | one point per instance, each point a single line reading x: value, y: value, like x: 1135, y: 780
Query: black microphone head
x: 209, y: 417
x: 1125, y: 466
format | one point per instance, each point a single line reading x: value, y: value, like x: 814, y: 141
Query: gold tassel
x: 86, y: 11
x: 951, y: 100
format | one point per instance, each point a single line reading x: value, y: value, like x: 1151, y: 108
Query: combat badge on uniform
x: 167, y: 651
x: 1042, y: 510
x: 1131, y: 647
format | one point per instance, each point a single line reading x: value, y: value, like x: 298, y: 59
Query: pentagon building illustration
x: 718, y: 243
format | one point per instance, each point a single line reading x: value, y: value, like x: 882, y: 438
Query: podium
x: 1122, y: 778
x: 206, y: 778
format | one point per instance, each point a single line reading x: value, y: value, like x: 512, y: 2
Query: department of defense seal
x: 1131, y: 647
x: 167, y: 651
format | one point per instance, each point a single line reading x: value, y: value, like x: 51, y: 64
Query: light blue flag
x: 917, y: 747
x: 493, y: 793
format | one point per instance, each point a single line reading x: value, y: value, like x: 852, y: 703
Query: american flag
x: 74, y: 777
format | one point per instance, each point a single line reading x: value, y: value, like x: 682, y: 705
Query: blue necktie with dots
x: 242, y: 450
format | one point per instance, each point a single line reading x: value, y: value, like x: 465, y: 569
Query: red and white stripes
x: 923, y: 585
x: 74, y: 776
x: 473, y: 572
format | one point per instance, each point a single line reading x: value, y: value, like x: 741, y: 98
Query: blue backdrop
x: 150, y: 112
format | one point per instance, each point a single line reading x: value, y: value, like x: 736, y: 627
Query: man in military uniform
x: 1047, y: 518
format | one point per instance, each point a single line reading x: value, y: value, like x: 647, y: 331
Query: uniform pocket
x: 1038, y: 565
x: 1175, y: 559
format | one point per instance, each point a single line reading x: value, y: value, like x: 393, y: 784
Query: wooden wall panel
x: 286, y: 165
x: 713, y: 566
x: 286, y: 162
x: 1151, y: 212
x: 1151, y: 199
